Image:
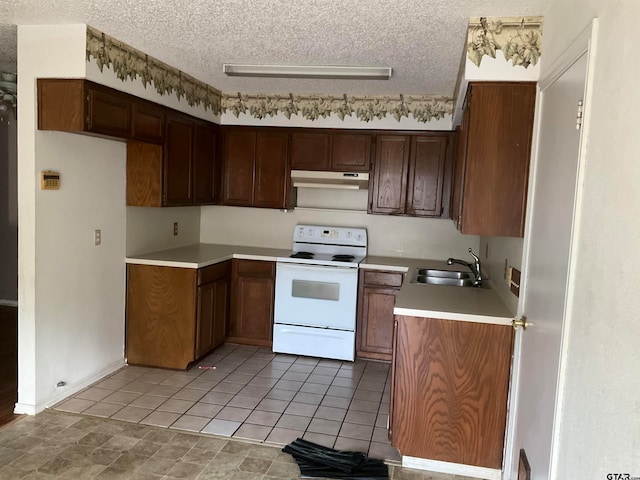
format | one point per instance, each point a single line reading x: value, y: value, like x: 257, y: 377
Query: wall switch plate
x: 175, y: 229
x: 97, y: 236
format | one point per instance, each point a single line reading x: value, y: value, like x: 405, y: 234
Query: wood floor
x: 8, y: 362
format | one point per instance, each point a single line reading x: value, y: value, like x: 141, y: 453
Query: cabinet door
x: 252, y: 302
x: 271, y: 182
x: 108, y: 113
x: 426, y: 176
x: 389, y: 191
x: 212, y: 315
x: 350, y: 152
x: 377, y: 292
x: 310, y: 151
x: 449, y: 393
x: 147, y: 122
x: 160, y: 316
x: 497, y: 158
x: 178, y: 161
x: 238, y: 168
x: 206, y: 168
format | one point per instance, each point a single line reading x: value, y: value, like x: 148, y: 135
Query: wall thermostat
x: 49, y: 180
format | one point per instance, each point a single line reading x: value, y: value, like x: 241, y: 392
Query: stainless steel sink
x: 452, y: 278
x: 430, y: 272
x: 453, y: 282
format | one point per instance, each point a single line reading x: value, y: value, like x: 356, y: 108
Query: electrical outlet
x: 175, y: 229
x: 97, y: 236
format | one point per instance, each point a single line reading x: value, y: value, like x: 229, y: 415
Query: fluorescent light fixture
x: 307, y: 71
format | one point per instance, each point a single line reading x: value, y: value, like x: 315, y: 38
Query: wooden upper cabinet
x: 271, y: 169
x: 310, y: 151
x: 178, y: 161
x: 411, y: 175
x: 350, y: 152
x: 206, y: 167
x: 330, y: 151
x: 239, y: 165
x: 492, y: 179
x: 389, y: 191
x: 425, y: 188
x: 108, y: 113
x: 81, y: 106
x: 256, y: 167
x: 147, y: 122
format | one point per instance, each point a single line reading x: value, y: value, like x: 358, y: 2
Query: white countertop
x: 482, y: 305
x: 416, y: 300
x: 205, y: 254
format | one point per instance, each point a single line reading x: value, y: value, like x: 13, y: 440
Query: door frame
x: 584, y: 44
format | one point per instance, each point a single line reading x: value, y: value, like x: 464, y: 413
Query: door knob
x: 520, y: 322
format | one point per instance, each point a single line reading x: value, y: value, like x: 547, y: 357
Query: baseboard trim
x: 68, y: 390
x: 8, y: 303
x: 452, y: 468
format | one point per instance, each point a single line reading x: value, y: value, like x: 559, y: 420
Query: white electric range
x: 316, y: 292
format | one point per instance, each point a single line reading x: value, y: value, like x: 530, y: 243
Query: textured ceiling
x: 422, y: 40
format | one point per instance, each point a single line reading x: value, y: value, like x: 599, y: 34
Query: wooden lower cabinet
x: 174, y: 315
x: 212, y: 314
x: 450, y: 382
x: 377, y: 292
x: 252, y: 303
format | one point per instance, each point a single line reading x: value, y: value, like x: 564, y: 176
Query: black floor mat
x: 317, y: 461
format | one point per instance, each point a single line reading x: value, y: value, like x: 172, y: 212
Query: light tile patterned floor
x: 254, y: 394
x: 62, y: 446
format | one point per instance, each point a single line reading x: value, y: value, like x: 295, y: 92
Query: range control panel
x: 330, y: 235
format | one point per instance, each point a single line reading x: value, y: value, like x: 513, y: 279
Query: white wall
x: 599, y: 422
x: 151, y: 229
x: 501, y: 248
x: 388, y: 235
x: 8, y: 211
x: 71, y: 293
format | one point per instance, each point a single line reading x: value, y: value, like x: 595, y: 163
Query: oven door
x: 316, y: 296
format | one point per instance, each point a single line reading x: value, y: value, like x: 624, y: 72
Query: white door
x: 547, y: 268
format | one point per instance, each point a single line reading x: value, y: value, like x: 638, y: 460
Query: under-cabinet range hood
x: 336, y: 180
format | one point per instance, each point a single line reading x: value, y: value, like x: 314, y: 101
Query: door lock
x: 520, y: 322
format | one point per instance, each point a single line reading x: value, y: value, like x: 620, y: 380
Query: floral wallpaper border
x: 365, y: 108
x: 130, y: 63
x: 519, y: 38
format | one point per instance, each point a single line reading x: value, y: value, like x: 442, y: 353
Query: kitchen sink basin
x: 453, y: 282
x: 452, y: 278
x: 430, y: 272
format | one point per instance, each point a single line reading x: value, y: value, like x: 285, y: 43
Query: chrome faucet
x: 475, y: 267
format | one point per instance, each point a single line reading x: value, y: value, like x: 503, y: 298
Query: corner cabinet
x: 377, y: 292
x: 449, y: 390
x: 492, y: 164
x: 253, y: 286
x: 175, y: 315
x: 184, y: 171
x: 256, y: 168
x: 411, y: 175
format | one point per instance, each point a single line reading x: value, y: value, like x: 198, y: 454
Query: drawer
x: 213, y: 272
x: 384, y: 279
x: 255, y: 268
